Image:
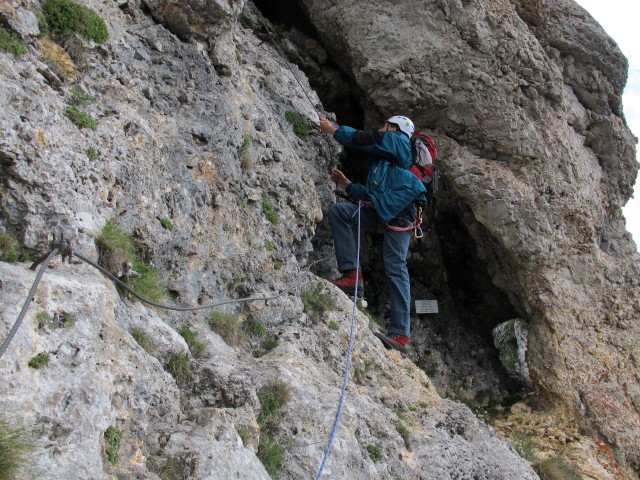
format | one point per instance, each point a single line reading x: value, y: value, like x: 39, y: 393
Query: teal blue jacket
x: 390, y: 185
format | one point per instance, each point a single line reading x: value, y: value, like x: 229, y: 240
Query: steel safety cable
x: 169, y: 307
x: 25, y: 307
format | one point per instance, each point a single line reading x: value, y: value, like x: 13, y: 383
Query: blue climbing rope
x: 336, y: 423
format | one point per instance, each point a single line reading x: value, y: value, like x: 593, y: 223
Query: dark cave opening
x: 331, y: 83
x: 455, y: 347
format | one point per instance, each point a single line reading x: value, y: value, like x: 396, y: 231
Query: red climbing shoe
x: 347, y: 283
x: 393, y: 340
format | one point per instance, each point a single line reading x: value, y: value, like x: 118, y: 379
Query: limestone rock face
x: 539, y: 161
x: 191, y: 102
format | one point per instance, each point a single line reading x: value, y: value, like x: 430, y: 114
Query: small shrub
x: 277, y: 264
x: 143, y: 339
x: 79, y: 98
x: 92, y: 154
x: 270, y: 212
x: 555, y: 468
x: 406, y: 436
x: 315, y: 302
x: 80, y: 119
x: 268, y: 345
x: 268, y: 246
x: 375, y: 453
x: 9, y: 247
x: 526, y: 446
x: 150, y: 284
x: 271, y: 454
x: 68, y: 320
x: 334, y: 325
x: 58, y: 60
x: 300, y: 127
x: 41, y: 360
x: 112, y: 439
x: 246, y: 161
x: 175, y: 469
x: 15, y: 450
x: 63, y: 17
x: 255, y: 328
x: 191, y: 338
x: 228, y: 327
x: 9, y: 42
x: 113, y: 238
x: 373, y: 318
x: 166, y: 224
x: 179, y: 366
x: 44, y: 320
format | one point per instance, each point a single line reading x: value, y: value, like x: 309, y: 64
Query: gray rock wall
x: 538, y: 163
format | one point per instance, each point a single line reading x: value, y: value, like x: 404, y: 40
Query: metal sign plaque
x: 426, y: 306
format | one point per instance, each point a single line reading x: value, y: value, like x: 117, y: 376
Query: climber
x: 389, y: 193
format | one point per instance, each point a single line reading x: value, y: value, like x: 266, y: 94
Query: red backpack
x: 425, y: 153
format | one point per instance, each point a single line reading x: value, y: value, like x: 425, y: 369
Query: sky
x: 620, y: 18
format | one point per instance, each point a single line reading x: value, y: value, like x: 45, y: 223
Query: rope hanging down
x: 345, y: 379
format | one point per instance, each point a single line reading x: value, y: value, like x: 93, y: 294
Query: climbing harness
x: 66, y: 249
x: 345, y: 378
x: 415, y: 225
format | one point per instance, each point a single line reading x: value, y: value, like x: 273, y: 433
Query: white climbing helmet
x: 405, y: 124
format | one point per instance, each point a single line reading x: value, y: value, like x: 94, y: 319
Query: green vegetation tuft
x: 406, y: 436
x: 143, y: 339
x: 246, y: 162
x: 112, y: 238
x: 150, y: 284
x: 254, y: 328
x: 270, y: 212
x: 268, y: 246
x: 92, y: 154
x: 175, y: 469
x: 316, y: 302
x: 277, y: 264
x: 80, y: 119
x: 9, y: 42
x: 112, y: 439
x: 179, y: 366
x: 375, y: 453
x: 228, y: 327
x: 64, y: 17
x: 270, y: 452
x: 15, y: 450
x: 166, y: 224
x: 9, y: 247
x: 300, y: 127
x: 41, y: 360
x: 373, y: 318
x: 79, y: 98
x: 334, y: 325
x: 267, y: 345
x: 555, y: 468
x: 191, y: 338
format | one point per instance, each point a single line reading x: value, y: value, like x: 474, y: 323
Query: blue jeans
x: 343, y: 220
